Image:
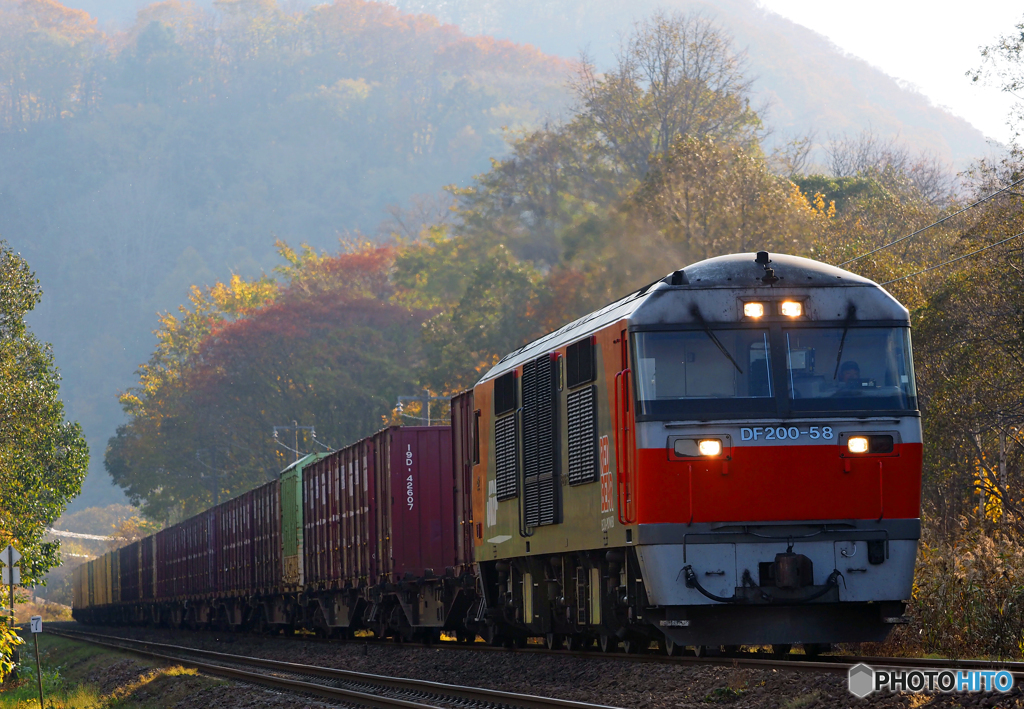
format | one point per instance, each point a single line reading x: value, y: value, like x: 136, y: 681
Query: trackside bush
x: 968, y: 599
x: 8, y: 641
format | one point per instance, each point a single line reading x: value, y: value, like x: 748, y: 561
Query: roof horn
x: 764, y: 262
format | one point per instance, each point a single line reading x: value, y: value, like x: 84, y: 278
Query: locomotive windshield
x: 713, y: 367
x: 694, y: 373
x: 840, y: 369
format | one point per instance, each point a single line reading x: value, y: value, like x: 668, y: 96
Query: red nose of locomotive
x: 778, y: 452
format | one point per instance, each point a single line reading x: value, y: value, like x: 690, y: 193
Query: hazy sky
x: 926, y: 44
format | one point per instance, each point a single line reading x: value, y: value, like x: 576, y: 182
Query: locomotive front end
x: 774, y: 486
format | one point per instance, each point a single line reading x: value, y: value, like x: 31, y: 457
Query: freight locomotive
x: 728, y: 456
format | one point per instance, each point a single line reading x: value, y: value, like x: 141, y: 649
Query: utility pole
x: 211, y: 471
x: 296, y: 428
x: 424, y: 398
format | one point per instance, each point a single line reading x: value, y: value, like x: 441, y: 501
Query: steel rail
x: 447, y: 691
x: 839, y: 664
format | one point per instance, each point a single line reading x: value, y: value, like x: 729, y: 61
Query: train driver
x: 849, y: 375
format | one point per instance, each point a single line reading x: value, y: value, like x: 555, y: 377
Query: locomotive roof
x: 738, y: 272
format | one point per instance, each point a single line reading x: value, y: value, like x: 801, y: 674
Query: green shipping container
x: 291, y: 519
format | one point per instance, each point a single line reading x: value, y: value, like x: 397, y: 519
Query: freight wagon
x: 372, y: 536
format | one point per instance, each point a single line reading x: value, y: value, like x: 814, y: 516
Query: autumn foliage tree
x: 658, y: 166
x: 323, y: 346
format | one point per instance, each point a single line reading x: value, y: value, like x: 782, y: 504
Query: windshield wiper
x: 851, y: 313
x: 695, y: 312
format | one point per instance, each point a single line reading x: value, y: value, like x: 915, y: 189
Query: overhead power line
x: 76, y: 535
x: 954, y: 260
x: 296, y: 451
x: 926, y: 228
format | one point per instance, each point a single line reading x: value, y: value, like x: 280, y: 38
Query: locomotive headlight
x: 857, y: 444
x: 753, y: 310
x: 710, y: 446
x: 792, y: 308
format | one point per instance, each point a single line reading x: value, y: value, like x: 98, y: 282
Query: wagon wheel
x: 815, y: 649
x: 553, y: 641
x: 464, y: 637
x: 608, y: 643
x: 259, y: 623
x: 574, y: 642
x: 320, y: 627
x: 493, y: 636
x: 671, y: 647
x: 635, y: 645
x: 400, y: 632
x: 221, y: 624
x: 781, y: 649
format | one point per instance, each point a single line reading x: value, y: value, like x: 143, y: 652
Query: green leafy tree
x: 676, y: 76
x: 43, y: 458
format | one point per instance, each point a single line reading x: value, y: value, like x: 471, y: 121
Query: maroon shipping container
x: 266, y: 513
x: 184, y: 557
x: 416, y: 526
x: 234, y: 549
x: 128, y: 568
x: 465, y: 452
x: 339, y: 513
x: 381, y: 509
x: 162, y: 557
x: 147, y: 569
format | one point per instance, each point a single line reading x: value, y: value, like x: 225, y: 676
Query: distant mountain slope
x: 809, y: 82
x: 173, y: 153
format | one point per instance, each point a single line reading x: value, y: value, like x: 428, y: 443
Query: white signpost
x: 36, y: 625
x: 11, y: 574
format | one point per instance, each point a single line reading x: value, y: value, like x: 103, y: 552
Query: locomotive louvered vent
x: 582, y: 418
x: 540, y: 442
x: 579, y: 363
x: 541, y: 500
x: 505, y: 458
x: 505, y: 394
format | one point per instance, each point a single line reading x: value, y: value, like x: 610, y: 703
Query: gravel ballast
x: 596, y: 679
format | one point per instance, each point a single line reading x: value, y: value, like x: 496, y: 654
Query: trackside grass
x: 77, y: 675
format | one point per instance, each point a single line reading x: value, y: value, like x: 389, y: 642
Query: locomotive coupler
x: 793, y: 570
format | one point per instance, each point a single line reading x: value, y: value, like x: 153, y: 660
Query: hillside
x: 809, y: 83
x: 174, y: 153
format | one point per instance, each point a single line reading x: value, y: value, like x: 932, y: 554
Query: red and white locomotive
x: 729, y: 456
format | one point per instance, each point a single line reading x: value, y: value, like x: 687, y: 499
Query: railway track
x: 836, y: 664
x: 351, y: 688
